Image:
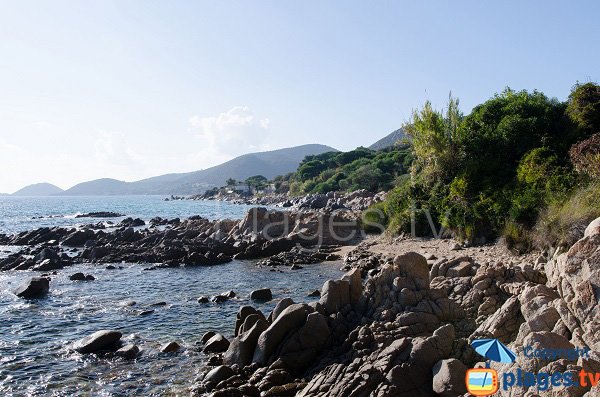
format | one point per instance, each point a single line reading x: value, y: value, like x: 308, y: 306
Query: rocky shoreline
x: 398, y: 323
x: 358, y: 200
x: 406, y: 330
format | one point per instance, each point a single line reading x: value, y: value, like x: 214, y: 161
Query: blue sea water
x: 25, y: 213
x: 36, y: 335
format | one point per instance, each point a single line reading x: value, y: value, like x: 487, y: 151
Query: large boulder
x: 592, y: 228
x: 217, y: 344
x: 35, y: 287
x: 47, y: 265
x: 414, y: 268
x: 290, y: 319
x: 576, y: 276
x: 353, y: 277
x: 301, y: 348
x: 449, y: 378
x: 98, y: 341
x: 335, y: 294
x: 241, y: 349
x: 280, y: 307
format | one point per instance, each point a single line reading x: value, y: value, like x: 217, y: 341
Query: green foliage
x: 375, y: 219
x: 345, y: 171
x: 585, y: 156
x: 584, y: 106
x: 489, y: 173
x: 563, y: 222
x: 257, y: 181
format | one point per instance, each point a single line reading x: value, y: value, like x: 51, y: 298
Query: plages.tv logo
x: 484, y: 381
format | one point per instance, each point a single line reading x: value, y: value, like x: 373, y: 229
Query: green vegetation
x: 493, y: 172
x: 358, y: 169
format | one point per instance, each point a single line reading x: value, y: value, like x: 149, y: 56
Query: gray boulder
x: 449, y: 378
x: 335, y: 295
x: 263, y: 294
x: 241, y: 349
x: 300, y: 349
x: 128, y: 351
x: 170, y: 347
x: 35, y: 287
x: 290, y: 319
x: 216, y: 344
x: 100, y: 340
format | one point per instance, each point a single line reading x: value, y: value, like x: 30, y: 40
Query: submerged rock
x: 98, y: 341
x: 35, y: 287
x: 170, y: 347
x: 128, y: 351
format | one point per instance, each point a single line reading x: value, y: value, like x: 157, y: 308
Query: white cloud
x: 231, y: 133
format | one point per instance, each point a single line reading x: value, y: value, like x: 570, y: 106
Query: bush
x: 564, y: 222
x: 517, y: 238
x: 584, y: 106
x: 375, y: 219
x: 585, y: 156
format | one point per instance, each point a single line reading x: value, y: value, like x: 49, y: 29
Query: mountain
x: 389, y: 140
x: 38, y: 189
x: 269, y: 164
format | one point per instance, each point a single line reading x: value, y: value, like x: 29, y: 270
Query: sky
x: 132, y: 89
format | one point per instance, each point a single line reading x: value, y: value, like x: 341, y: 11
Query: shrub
x: 564, y: 222
x: 584, y: 106
x: 375, y: 219
x: 517, y: 238
x: 585, y: 156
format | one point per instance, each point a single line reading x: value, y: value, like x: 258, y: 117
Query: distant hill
x: 269, y: 164
x: 389, y: 140
x: 38, y: 189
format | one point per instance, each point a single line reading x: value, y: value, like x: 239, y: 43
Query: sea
x: 36, y: 358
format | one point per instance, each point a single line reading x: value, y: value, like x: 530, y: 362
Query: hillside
x: 389, y: 140
x: 38, y: 189
x: 269, y: 164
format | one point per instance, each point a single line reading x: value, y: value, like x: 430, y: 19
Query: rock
x: 146, y: 312
x: 576, y: 274
x: 300, y: 349
x: 413, y: 266
x: 77, y: 277
x: 35, y: 287
x: 263, y: 294
x: 218, y: 374
x: 128, y: 351
x: 449, y: 378
x: 219, y: 299
x: 98, y: 341
x: 110, y: 267
x: 206, y: 337
x: 47, y: 265
x: 170, y: 347
x: 78, y: 238
x: 335, y: 295
x: 291, y: 318
x: 592, y: 228
x: 356, y: 288
x: 216, y: 344
x: 280, y: 307
x: 89, y: 277
x: 203, y: 299
x: 315, y: 293
x: 241, y: 349
x: 47, y: 253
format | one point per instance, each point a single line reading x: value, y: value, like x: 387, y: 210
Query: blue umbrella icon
x: 494, y: 350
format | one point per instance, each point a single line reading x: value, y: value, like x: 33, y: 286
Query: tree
x: 231, y: 182
x: 436, y: 140
x: 584, y: 106
x: 257, y: 182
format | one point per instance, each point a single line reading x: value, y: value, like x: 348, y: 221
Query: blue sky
x: 131, y: 89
